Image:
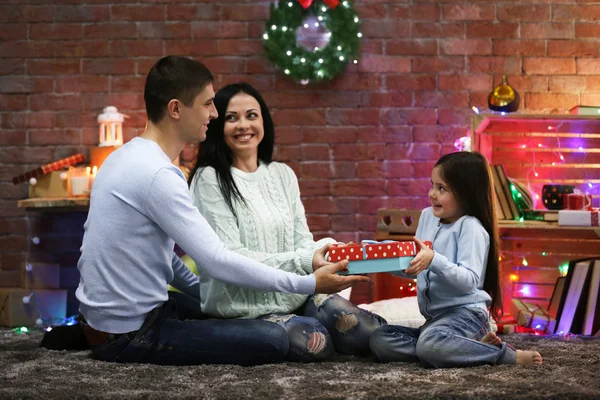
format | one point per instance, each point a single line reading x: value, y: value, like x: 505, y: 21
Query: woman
x: 254, y: 206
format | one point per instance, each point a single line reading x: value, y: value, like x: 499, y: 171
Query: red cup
x: 578, y: 201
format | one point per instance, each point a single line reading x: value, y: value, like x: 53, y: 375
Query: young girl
x: 459, y: 279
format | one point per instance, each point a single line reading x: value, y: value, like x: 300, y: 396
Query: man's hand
x: 329, y: 282
x: 422, y: 260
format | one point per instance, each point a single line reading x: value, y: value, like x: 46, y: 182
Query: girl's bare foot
x: 491, y: 338
x: 528, y: 357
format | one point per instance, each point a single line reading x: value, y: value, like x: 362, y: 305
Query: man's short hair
x: 173, y: 77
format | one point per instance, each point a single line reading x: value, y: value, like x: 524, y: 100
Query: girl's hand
x: 422, y: 260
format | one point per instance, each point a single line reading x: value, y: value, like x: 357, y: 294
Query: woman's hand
x: 320, y: 256
x: 329, y: 282
x: 422, y: 260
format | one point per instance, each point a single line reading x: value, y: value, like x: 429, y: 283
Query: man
x: 139, y: 208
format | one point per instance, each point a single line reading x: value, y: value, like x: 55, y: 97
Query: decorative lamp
x: 553, y: 196
x: 111, y: 127
x: 504, y: 98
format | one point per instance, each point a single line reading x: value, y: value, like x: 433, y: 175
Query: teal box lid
x: 377, y: 265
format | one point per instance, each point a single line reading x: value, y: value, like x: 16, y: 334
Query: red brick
x: 113, y: 30
x: 316, y: 99
x: 375, y: 11
x: 423, y: 170
x: 13, y: 225
x: 549, y: 66
x: 243, y: 12
x: 586, y: 30
x: 27, y: 155
x: 368, y: 224
x: 219, y: 30
x: 20, y: 49
x: 577, y: 13
x: 590, y: 98
x: 299, y: 117
x: 568, y: 84
x: 377, y: 64
x: 328, y: 205
x: 12, y: 138
x: 438, y: 30
x: 88, y: 49
x: 344, y: 223
x: 67, y: 119
x: 229, y: 65
x: 27, y: 120
x: 13, y: 32
x: 492, y: 30
x: 13, y: 102
x: 263, y: 66
x: 14, y: 242
x: 165, y: 30
x: 359, y: 151
x: 504, y: 65
x: 529, y: 83
x: 76, y: 13
x: 353, y: 117
x: 593, y: 83
x: 196, y: 12
x: 466, y: 12
x: 359, y: 187
x: 519, y: 47
x: 262, y: 83
x: 549, y: 30
x: 385, y: 28
x: 47, y: 102
x: 12, y: 67
x: 412, y: 47
x: 415, y: 12
x: 123, y: 101
x: 138, y: 13
x: 551, y: 101
x: 386, y: 99
x: 116, y: 66
x: 439, y: 134
x: 372, y: 46
x: 383, y: 169
x: 237, y: 47
x: 523, y: 12
x: 410, y: 82
x: 588, y: 66
x: 315, y: 187
x: 23, y: 13
x: 81, y: 84
x: 462, y: 82
x: 413, y: 151
x: 408, y: 116
x: 409, y: 187
x: 438, y: 64
x: 384, y: 134
x: 459, y: 116
x: 286, y: 153
x: 316, y: 152
x: 329, y: 134
x: 12, y: 261
x: 141, y: 48
x: 371, y: 205
x: 56, y: 31
x: 318, y: 222
x: 53, y: 67
x: 194, y: 48
x: 54, y: 137
x: 327, y: 170
x: 466, y: 46
x: 573, y: 48
x: 442, y: 99
x: 350, y: 81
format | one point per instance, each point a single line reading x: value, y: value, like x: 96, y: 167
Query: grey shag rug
x: 571, y: 370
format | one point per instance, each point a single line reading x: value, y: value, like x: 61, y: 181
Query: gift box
x: 352, y: 252
x: 578, y: 218
x: 23, y: 307
x: 389, y: 249
x: 532, y: 316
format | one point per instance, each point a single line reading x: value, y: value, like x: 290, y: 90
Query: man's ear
x: 173, y: 108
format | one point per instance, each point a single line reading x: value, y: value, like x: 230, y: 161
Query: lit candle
x: 93, y: 176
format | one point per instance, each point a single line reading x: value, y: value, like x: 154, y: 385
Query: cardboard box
x: 41, y: 276
x: 50, y: 305
x: 578, y: 218
x: 49, y: 185
x: 532, y: 316
x: 10, y: 279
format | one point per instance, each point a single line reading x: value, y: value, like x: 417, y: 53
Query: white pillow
x: 402, y: 311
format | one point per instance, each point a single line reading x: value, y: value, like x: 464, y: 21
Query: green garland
x: 302, y: 65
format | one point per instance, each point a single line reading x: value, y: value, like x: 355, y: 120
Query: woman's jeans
x: 166, y: 339
x: 451, y: 339
x: 325, y: 323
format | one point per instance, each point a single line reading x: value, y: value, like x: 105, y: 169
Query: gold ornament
x: 504, y: 98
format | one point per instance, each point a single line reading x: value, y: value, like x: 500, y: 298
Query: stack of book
x: 574, y: 302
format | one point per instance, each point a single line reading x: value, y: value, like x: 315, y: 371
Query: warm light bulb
x: 514, y: 277
x: 524, y: 262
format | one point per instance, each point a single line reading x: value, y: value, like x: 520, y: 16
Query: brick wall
x: 364, y: 141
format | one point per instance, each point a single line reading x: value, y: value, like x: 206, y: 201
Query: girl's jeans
x: 451, y: 339
x: 325, y: 323
x: 165, y: 339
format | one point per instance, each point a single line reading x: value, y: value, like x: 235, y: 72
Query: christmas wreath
x: 282, y: 49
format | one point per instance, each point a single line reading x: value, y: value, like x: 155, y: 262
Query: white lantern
x: 111, y: 127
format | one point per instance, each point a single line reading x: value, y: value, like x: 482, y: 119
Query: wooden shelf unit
x: 55, y: 203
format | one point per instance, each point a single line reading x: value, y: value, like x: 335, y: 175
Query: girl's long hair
x: 213, y: 152
x: 469, y: 176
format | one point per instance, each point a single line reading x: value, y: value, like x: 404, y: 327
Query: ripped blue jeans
x: 324, y: 324
x: 452, y: 339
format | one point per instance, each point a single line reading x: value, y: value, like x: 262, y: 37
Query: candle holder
x: 79, y: 182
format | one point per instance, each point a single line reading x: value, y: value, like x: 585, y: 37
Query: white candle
x: 80, y: 185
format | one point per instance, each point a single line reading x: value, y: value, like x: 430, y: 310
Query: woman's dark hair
x: 469, y: 176
x: 213, y: 152
x: 173, y: 77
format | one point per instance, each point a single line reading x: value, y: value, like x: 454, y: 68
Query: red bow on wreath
x: 330, y: 3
